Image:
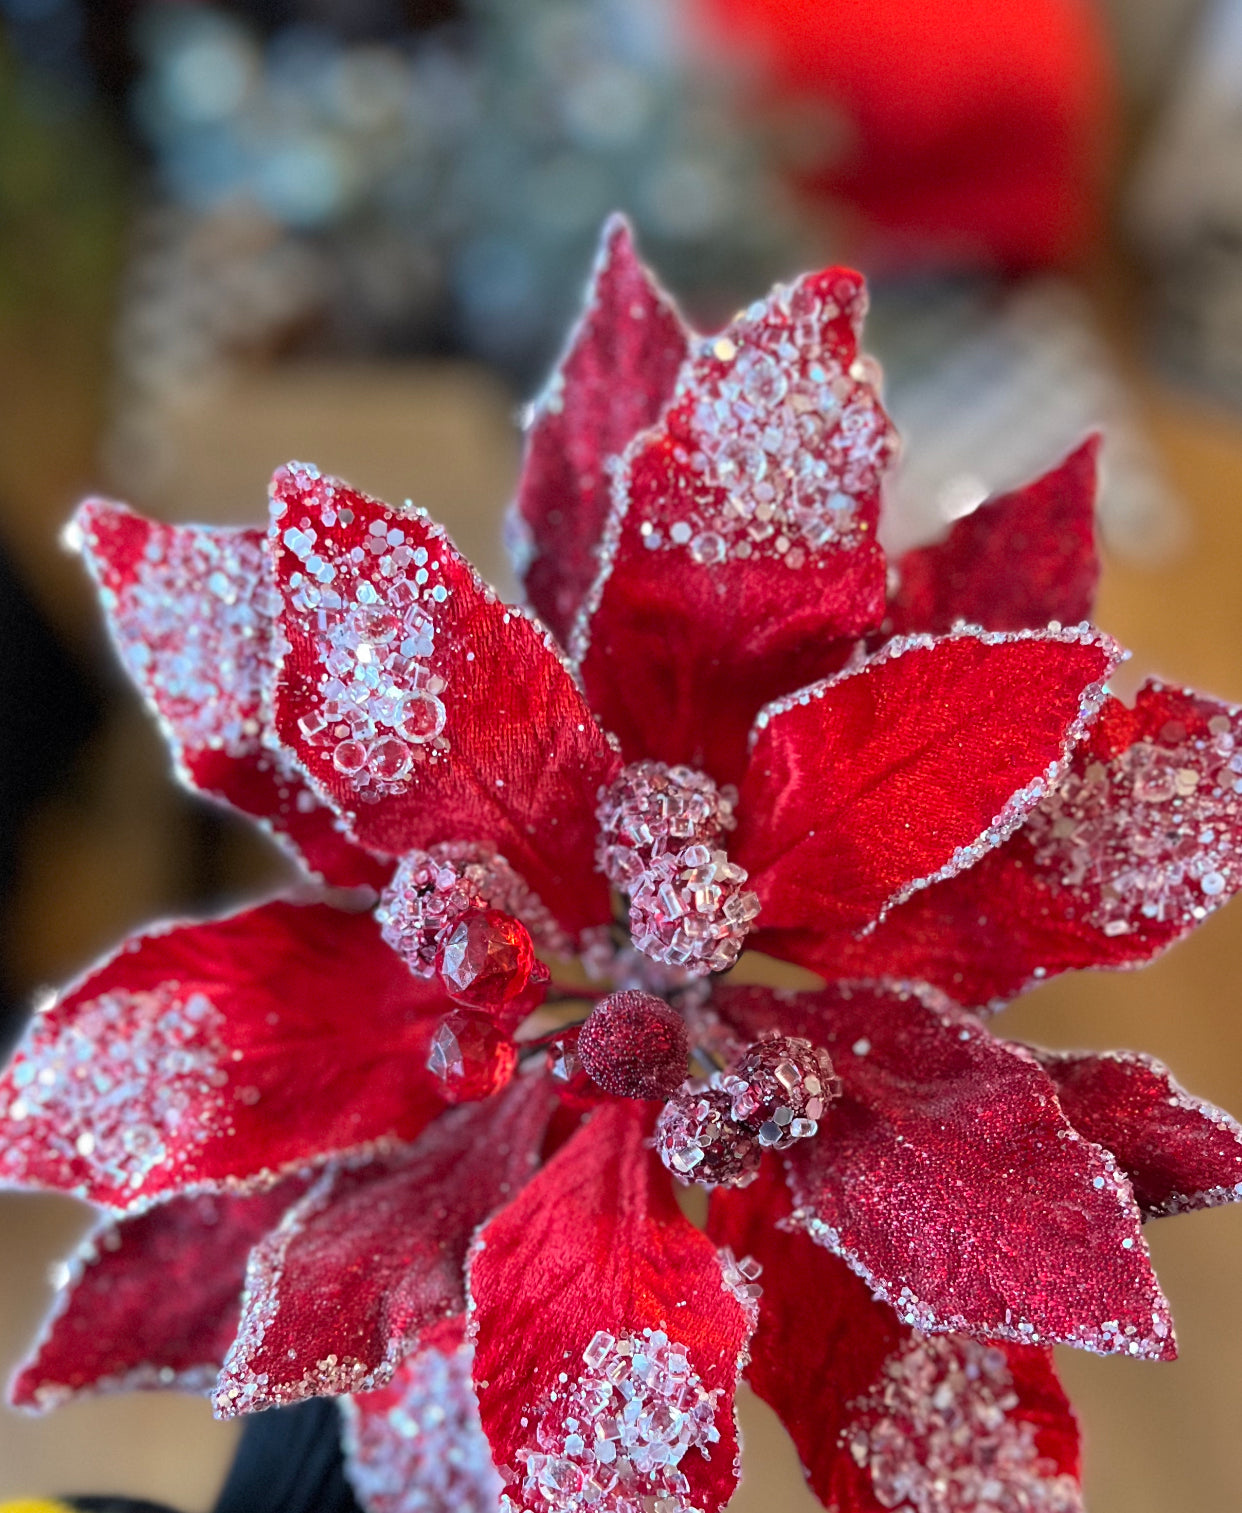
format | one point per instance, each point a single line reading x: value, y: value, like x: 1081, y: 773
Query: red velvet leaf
x: 741, y: 548
x: 1019, y: 561
x: 617, y: 374
x: 1141, y: 843
x: 590, y: 1276
x: 947, y: 1176
x: 152, y: 1300
x: 881, y: 1415
x: 221, y: 1054
x: 374, y: 1254
x: 192, y: 614
x: 1179, y: 1152
x: 874, y: 784
x: 416, y: 1445
x: 422, y: 707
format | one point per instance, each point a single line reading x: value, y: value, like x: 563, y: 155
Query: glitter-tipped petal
x: 220, y: 1054
x: 416, y: 1445
x: 617, y: 374
x: 1179, y: 1152
x: 948, y: 1177
x: 945, y: 1423
x: 192, y: 613
x: 741, y: 556
x: 1141, y: 842
x: 374, y: 1254
x: 151, y: 1301
x: 607, y: 1344
x: 871, y: 785
x: 1017, y: 562
x: 425, y: 709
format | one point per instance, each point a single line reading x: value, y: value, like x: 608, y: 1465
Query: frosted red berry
x: 471, y: 1057
x: 781, y: 1089
x: 485, y: 960
x: 634, y: 1045
x: 700, y: 1142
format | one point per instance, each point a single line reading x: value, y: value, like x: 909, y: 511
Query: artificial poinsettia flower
x: 463, y: 1222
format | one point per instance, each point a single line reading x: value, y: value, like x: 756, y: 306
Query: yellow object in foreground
x: 35, y: 1505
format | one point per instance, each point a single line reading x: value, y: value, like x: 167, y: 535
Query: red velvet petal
x: 1017, y: 562
x: 1179, y: 1152
x: 192, y: 615
x: 732, y: 568
x: 881, y: 1415
x: 874, y: 784
x: 374, y: 1254
x: 591, y: 1265
x: 426, y: 710
x: 416, y: 1445
x: 1142, y: 843
x: 151, y: 1301
x: 221, y: 1054
x: 617, y: 374
x: 948, y: 1178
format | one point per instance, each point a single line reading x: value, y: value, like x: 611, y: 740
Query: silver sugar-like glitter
x: 425, y: 1452
x: 938, y: 1435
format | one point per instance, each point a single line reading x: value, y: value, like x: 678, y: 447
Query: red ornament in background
x: 957, y: 134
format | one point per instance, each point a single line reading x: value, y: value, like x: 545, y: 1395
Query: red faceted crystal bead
x: 568, y: 1076
x: 635, y: 1046
x: 471, y: 1056
x: 485, y: 960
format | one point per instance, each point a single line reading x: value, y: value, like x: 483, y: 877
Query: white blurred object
x: 989, y: 389
x: 1186, y: 207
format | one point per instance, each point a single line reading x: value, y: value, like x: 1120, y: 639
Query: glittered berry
x: 485, y: 960
x: 780, y: 1089
x: 700, y: 1142
x: 471, y: 1057
x: 634, y: 1046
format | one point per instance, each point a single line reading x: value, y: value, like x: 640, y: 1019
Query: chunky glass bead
x: 780, y: 1089
x: 700, y: 1142
x: 471, y: 1056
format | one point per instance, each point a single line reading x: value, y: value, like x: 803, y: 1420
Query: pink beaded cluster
x: 660, y: 834
x: 774, y: 1097
x: 431, y: 890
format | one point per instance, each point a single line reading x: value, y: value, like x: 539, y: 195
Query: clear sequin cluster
x: 660, y: 829
x: 193, y: 629
x: 938, y: 1435
x: 380, y: 712
x: 111, y: 1086
x: 426, y: 1451
x: 431, y: 890
x: 781, y: 1089
x: 1152, y: 835
x: 614, y: 1440
x: 795, y: 439
x: 700, y: 1142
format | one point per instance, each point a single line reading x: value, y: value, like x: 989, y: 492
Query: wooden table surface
x: 108, y: 855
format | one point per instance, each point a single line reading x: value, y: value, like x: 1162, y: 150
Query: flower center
x: 661, y: 830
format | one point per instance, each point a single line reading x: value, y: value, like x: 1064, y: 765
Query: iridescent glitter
x: 1152, y: 834
x: 614, y: 1439
x: 700, y: 1142
x: 418, y: 1447
x: 781, y: 1088
x: 131, y: 1072
x: 938, y: 1435
x: 660, y: 829
x: 431, y: 890
x: 379, y: 710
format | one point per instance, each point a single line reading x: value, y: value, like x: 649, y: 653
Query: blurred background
x: 355, y: 231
